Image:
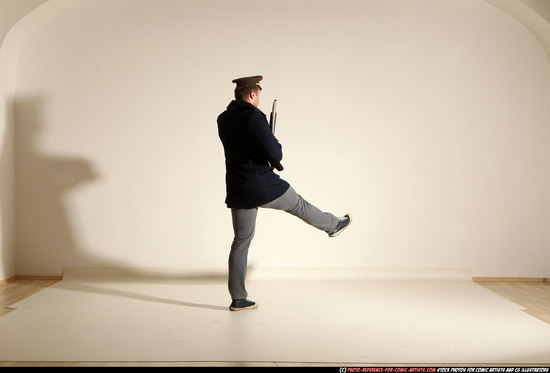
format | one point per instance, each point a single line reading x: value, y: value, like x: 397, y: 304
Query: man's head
x: 248, y: 89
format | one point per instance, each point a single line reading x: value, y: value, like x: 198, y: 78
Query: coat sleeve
x: 267, y: 141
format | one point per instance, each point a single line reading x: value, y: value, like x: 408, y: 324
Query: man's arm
x: 265, y: 138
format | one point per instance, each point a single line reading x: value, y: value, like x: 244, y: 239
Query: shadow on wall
x: 42, y: 181
x: 44, y: 228
x: 45, y: 234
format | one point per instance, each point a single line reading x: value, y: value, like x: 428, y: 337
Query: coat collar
x: 241, y: 104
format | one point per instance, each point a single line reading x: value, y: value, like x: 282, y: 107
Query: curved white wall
x: 533, y: 14
x: 541, y: 7
x: 427, y: 120
x: 11, y: 12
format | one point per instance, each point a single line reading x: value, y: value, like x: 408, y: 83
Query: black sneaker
x: 242, y: 304
x: 343, y: 223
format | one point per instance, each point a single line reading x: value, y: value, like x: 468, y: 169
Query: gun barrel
x: 273, y: 118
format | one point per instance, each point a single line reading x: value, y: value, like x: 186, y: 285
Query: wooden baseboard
x: 24, y: 277
x: 8, y: 280
x: 511, y: 279
x: 475, y: 279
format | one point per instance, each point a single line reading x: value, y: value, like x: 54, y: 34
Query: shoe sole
x: 253, y: 307
x: 343, y: 229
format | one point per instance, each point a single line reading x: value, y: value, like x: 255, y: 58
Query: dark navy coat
x: 250, y: 148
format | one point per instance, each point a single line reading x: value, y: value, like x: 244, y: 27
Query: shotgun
x: 273, y: 117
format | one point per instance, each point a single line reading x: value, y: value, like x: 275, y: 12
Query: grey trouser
x: 244, y: 224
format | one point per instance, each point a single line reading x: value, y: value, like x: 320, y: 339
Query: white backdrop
x: 427, y: 120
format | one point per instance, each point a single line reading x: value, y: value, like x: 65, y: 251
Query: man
x: 251, y: 154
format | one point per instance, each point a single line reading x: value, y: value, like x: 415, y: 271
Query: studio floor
x: 302, y: 319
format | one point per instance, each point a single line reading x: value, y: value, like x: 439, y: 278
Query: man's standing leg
x: 244, y: 224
